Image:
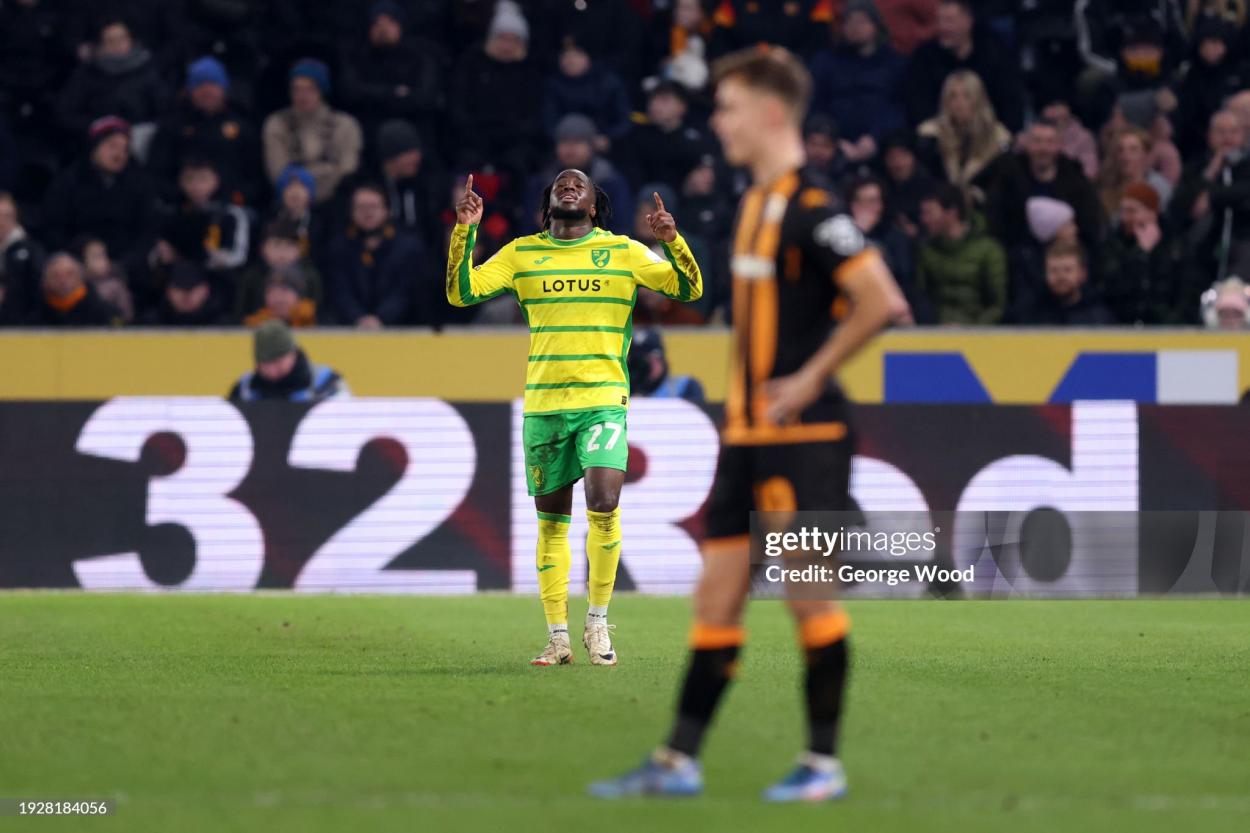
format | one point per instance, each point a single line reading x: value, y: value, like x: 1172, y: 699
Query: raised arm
x: 676, y: 274
x: 468, y: 284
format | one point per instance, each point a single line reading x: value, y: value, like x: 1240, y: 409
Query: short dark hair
x: 1063, y: 248
x: 773, y: 69
x: 369, y: 186
x: 603, y: 207
x: 281, y: 228
x: 856, y: 183
x: 197, y: 163
x: 949, y: 196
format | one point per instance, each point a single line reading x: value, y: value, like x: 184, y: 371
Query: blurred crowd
x: 209, y: 162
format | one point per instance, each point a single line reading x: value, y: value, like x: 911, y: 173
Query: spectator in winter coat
x: 963, y: 270
x: 374, y: 270
x: 204, y: 124
x: 103, y: 195
x: 965, y: 138
x: 664, y: 147
x: 1041, y: 170
x: 499, y: 99
x: 859, y: 82
x: 1146, y: 274
x: 581, y: 86
x: 1068, y: 301
x: 283, y: 372
x: 960, y: 44
x: 120, y: 79
x: 310, y: 134
x: 393, y: 75
x: 67, y: 300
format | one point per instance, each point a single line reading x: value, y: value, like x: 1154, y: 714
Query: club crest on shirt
x: 600, y: 257
x: 840, y: 234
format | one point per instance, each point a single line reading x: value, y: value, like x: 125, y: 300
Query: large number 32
x: 230, y: 551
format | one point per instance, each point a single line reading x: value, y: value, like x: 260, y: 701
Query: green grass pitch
x: 308, y: 713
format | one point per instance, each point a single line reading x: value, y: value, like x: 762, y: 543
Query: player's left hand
x: 663, y: 226
x: 789, y: 396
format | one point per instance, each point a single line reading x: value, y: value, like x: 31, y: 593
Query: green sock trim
x: 552, y: 516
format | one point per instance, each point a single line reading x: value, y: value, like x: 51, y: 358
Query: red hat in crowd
x: 106, y: 126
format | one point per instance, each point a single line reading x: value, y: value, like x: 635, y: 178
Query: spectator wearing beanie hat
x: 295, y: 194
x: 390, y: 75
x: 283, y: 371
x: 1040, y: 168
x: 499, y: 98
x: 327, y: 142
x: 204, y: 124
x: 1048, y: 221
x: 105, y: 196
x: 1147, y: 274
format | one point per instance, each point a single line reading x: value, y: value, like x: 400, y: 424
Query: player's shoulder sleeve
x: 825, y: 233
x: 469, y: 283
x: 674, y: 273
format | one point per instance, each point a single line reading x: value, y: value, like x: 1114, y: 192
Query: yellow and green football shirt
x: 578, y: 298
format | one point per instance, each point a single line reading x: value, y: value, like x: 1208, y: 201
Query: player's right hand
x: 469, y: 206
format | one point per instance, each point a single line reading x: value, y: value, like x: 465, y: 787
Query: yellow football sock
x: 603, y: 551
x: 553, y: 561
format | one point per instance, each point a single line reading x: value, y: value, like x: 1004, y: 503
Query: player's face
x: 739, y: 113
x: 572, y: 194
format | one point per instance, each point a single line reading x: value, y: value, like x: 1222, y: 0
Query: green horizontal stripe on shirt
x: 559, y: 385
x: 578, y: 300
x: 589, y: 272
x: 578, y: 329
x: 572, y: 357
x: 615, y: 409
x: 565, y: 249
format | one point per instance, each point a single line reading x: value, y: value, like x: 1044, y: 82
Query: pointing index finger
x: 659, y: 203
x: 468, y: 185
